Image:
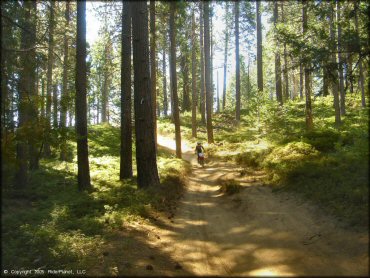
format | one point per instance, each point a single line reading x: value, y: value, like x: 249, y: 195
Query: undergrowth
x: 51, y: 225
x: 326, y: 165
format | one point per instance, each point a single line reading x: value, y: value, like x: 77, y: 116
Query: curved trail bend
x: 255, y: 232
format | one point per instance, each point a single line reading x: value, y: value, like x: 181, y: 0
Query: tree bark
x: 237, y: 64
x: 26, y: 97
x: 186, y: 106
x: 202, y: 67
x: 55, y: 106
x: 278, y: 85
x: 176, y: 113
x: 207, y: 59
x: 341, y: 62
x: 307, y: 74
x: 126, y: 128
x: 225, y: 57
x: 65, y: 95
x: 300, y: 80
x: 286, y: 77
x: 325, y: 85
x: 334, y: 79
x: 363, y: 100
x: 193, y: 79
x: 83, y: 175
x: 49, y: 83
x: 259, y: 48
x: 146, y: 156
x: 153, y: 68
x: 165, y: 100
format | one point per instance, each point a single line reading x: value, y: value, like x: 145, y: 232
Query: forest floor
x: 253, y: 232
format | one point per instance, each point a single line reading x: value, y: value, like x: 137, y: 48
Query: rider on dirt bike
x: 199, y: 150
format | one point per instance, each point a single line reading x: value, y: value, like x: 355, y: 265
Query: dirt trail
x: 255, y: 232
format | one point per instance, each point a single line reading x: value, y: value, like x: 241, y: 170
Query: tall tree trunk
x: 42, y: 97
x: 278, y: 85
x: 207, y: 60
x: 176, y: 113
x: 55, y: 106
x: 126, y: 128
x: 363, y: 100
x: 259, y: 48
x: 211, y: 45
x: 165, y: 100
x: 350, y: 72
x: 193, y: 79
x: 83, y: 175
x: 104, y: 99
x: 202, y: 67
x: 341, y: 62
x: 294, y: 92
x: 26, y: 95
x: 5, y: 31
x: 307, y: 74
x: 249, y: 78
x: 185, y: 78
x: 300, y: 80
x: 237, y: 64
x: 49, y: 84
x: 325, y: 86
x: 334, y: 76
x: 218, y: 95
x: 65, y: 95
x: 146, y: 155
x: 153, y: 66
x: 225, y: 58
x: 286, y: 77
x: 35, y: 138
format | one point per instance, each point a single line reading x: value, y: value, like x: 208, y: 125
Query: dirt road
x: 251, y: 233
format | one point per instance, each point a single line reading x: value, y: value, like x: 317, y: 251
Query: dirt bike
x: 201, y: 159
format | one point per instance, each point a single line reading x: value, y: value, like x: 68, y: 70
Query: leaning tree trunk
x: 83, y: 175
x: 207, y: 59
x: 307, y: 74
x: 126, y: 128
x: 193, y: 79
x: 146, y: 156
x: 153, y: 66
x: 237, y: 64
x: 176, y: 113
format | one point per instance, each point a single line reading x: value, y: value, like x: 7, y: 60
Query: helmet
x: 199, y: 143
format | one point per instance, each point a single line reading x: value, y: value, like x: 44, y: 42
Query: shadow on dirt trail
x: 255, y: 232
x: 251, y: 233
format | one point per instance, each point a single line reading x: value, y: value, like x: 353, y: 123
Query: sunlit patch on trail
x: 170, y: 143
x: 278, y: 270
